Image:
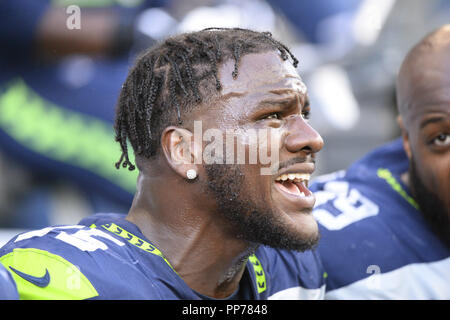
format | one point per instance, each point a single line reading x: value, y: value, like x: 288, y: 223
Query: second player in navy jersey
x: 375, y: 243
x: 385, y: 222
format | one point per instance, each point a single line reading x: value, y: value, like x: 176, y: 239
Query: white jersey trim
x: 417, y: 281
x: 299, y: 293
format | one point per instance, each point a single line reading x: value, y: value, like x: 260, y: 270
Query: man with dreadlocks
x: 196, y: 229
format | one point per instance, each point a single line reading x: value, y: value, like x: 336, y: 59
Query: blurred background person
x: 62, y: 65
x: 58, y: 86
x: 385, y: 221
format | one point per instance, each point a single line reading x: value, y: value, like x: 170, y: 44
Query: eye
x: 306, y: 114
x: 441, y: 140
x: 275, y: 116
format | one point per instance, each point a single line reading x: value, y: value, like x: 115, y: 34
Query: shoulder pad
x: 42, y: 275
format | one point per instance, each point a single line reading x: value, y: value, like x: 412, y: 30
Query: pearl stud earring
x: 191, y: 174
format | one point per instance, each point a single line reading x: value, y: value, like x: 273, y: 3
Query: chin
x: 305, y: 225
x: 297, y: 231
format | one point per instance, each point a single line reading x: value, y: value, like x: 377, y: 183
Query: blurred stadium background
x: 59, y: 84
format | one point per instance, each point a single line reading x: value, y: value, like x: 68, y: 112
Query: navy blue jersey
x: 107, y: 257
x: 8, y: 290
x: 375, y: 243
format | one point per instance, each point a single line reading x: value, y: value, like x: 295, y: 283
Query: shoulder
x: 356, y: 210
x: 292, y: 274
x: 370, y: 224
x: 65, y: 262
x: 67, y: 240
x: 8, y: 289
x: 372, y: 185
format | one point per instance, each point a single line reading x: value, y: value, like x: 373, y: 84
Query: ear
x: 178, y: 147
x: 405, y: 136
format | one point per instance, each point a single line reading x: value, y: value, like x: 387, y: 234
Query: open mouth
x: 294, y: 184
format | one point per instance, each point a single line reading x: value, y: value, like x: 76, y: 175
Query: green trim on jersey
x: 259, y: 273
x: 66, y: 280
x: 390, y: 179
x: 135, y: 240
x: 62, y: 135
x: 148, y: 247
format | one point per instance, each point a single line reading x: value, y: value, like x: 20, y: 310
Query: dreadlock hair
x: 172, y: 77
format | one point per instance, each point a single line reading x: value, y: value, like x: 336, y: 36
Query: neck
x: 192, y: 238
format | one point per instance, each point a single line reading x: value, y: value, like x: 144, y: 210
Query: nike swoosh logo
x: 41, y: 282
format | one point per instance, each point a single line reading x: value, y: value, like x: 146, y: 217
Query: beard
x: 253, y: 222
x: 432, y: 208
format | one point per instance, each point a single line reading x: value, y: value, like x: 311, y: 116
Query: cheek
x: 257, y: 184
x: 269, y: 144
x: 435, y: 174
x: 259, y: 147
x: 256, y: 188
x: 440, y: 181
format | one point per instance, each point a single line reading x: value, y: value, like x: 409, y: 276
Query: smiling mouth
x: 294, y: 184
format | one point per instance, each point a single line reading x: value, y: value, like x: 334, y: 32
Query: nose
x: 302, y: 137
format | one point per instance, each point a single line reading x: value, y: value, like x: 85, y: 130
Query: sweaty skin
x: 423, y: 98
x: 259, y: 92
x: 424, y: 102
x: 182, y: 220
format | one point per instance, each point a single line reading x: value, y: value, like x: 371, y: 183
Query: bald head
x: 425, y: 73
x: 423, y: 98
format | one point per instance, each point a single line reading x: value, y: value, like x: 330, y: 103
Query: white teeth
x: 294, y: 176
x: 302, y: 194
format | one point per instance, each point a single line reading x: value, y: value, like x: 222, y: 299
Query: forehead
x: 425, y: 85
x: 260, y: 73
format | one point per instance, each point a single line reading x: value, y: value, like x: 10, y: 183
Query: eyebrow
x: 232, y: 95
x: 428, y: 121
x: 285, y: 101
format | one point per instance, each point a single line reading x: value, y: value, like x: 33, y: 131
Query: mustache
x: 290, y: 162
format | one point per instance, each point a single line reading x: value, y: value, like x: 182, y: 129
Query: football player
x: 385, y: 221
x: 197, y: 229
